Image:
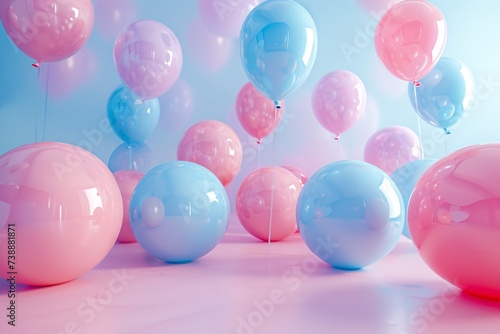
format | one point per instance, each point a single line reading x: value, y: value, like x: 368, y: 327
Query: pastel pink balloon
x: 410, y: 38
x: 49, y: 30
x: 338, y: 101
x: 112, y: 16
x: 258, y: 190
x: 127, y: 180
x: 454, y: 219
x: 65, y: 208
x: 176, y: 106
x: 225, y: 17
x: 148, y: 58
x: 256, y: 113
x: 214, y: 145
x: 392, y: 147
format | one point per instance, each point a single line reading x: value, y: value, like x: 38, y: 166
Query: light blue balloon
x: 405, y: 178
x: 278, y: 46
x: 444, y: 94
x: 131, y: 118
x: 136, y: 156
x: 350, y: 214
x: 179, y: 211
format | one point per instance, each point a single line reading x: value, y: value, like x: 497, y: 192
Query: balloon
x: 445, y: 93
x: 405, y: 178
x: 350, y: 214
x: 224, y: 18
x: 266, y: 190
x: 338, y: 101
x: 179, y: 211
x: 64, y: 207
x: 454, y: 220
x: 176, y: 106
x: 50, y: 30
x: 391, y: 147
x: 148, y: 58
x: 213, y: 145
x: 278, y: 44
x: 257, y: 114
x: 131, y: 118
x: 127, y: 180
x: 136, y: 156
x: 410, y: 38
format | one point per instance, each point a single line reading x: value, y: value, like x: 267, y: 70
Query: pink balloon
x: 338, y: 101
x: 65, y: 208
x: 213, y: 145
x: 112, y: 16
x: 176, y: 106
x: 454, y: 219
x: 410, y: 38
x: 262, y: 187
x: 127, y: 181
x: 225, y: 17
x: 148, y: 58
x: 49, y: 30
x: 257, y: 114
x: 392, y: 147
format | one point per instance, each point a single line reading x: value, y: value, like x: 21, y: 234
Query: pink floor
x: 247, y: 286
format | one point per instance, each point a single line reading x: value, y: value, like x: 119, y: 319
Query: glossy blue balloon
x: 179, y: 211
x: 444, y: 94
x: 136, y: 156
x: 278, y: 46
x: 405, y: 178
x: 131, y: 118
x: 350, y: 214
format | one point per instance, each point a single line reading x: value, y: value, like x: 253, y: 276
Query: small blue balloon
x: 350, y: 214
x: 444, y: 94
x: 278, y: 46
x: 136, y: 156
x: 131, y: 118
x: 405, y: 178
x: 179, y: 211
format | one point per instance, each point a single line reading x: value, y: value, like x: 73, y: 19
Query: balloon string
x: 418, y: 119
x: 272, y: 180
x: 44, y: 126
x: 37, y: 114
x: 41, y: 114
x: 258, y: 154
x: 446, y: 143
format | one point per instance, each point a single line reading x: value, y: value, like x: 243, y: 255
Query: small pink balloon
x: 225, y: 17
x: 299, y: 173
x: 258, y: 190
x: 257, y: 114
x: 338, y: 101
x: 176, y: 106
x: 392, y: 147
x: 148, y: 58
x: 50, y: 30
x: 215, y: 146
x: 127, y: 181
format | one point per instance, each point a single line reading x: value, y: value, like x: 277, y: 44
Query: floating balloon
x: 131, y: 118
x: 176, y: 106
x: 50, y: 30
x: 338, y: 101
x: 136, y: 156
x: 179, y: 211
x: 266, y: 201
x: 148, y: 58
x: 410, y: 38
x: 278, y: 44
x: 454, y: 220
x: 445, y: 94
x: 391, y: 147
x: 213, y: 145
x: 64, y: 207
x: 127, y: 180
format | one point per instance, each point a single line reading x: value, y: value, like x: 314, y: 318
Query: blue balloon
x: 131, y: 118
x: 405, y: 178
x: 136, y: 156
x: 179, y: 211
x: 444, y: 94
x: 350, y: 214
x: 278, y: 46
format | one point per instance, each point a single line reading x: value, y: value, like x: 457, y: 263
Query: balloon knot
x: 417, y: 83
x: 36, y: 65
x: 446, y: 131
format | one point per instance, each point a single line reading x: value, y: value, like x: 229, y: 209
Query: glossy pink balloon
x: 127, y: 180
x: 410, y: 38
x: 215, y: 146
x: 148, y: 57
x: 49, y: 30
x: 338, y: 101
x: 258, y: 190
x: 392, y: 147
x: 64, y: 207
x: 257, y: 114
x: 454, y: 219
